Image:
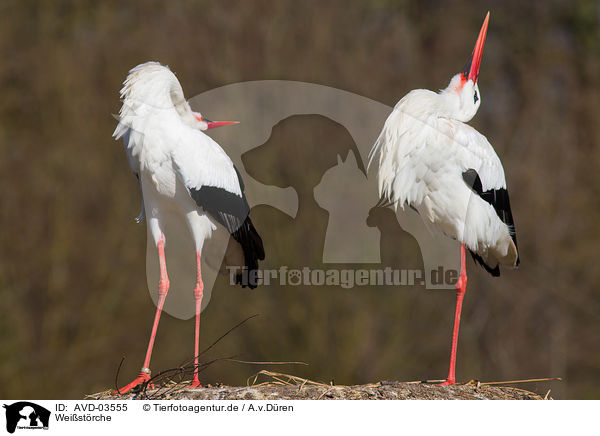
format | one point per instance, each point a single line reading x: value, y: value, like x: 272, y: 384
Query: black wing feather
x: 231, y: 211
x: 499, y: 200
x: 495, y: 272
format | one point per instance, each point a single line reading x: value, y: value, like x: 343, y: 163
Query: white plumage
x: 422, y: 152
x: 431, y: 160
x: 163, y: 136
x: 181, y: 170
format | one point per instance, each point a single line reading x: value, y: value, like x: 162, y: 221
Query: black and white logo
x: 26, y: 415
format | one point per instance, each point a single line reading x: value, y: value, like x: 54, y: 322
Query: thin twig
x: 321, y: 396
x: 239, y: 324
x: 117, y: 376
x: 302, y: 385
x: 226, y: 333
x: 531, y: 380
x: 416, y: 382
x: 266, y: 363
x: 280, y: 379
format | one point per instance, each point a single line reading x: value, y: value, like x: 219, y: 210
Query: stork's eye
x: 475, y: 98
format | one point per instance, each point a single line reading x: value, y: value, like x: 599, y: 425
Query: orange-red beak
x: 471, y: 70
x: 212, y: 124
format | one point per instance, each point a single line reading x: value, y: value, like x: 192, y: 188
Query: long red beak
x: 471, y: 70
x: 212, y: 124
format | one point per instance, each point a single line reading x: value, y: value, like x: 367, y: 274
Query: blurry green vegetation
x: 72, y: 272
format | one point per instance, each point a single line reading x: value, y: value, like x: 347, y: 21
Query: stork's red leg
x: 198, y: 293
x: 163, y: 289
x: 461, y: 287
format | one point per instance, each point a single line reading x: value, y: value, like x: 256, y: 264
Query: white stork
x: 180, y: 168
x: 450, y: 174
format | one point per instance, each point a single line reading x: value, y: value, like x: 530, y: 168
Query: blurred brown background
x: 72, y: 272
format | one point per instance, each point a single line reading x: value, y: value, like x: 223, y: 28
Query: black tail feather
x: 252, y: 246
x: 498, y: 198
x: 493, y: 271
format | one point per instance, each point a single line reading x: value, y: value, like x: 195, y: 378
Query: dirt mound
x: 287, y: 387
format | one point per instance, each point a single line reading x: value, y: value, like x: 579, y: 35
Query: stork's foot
x: 195, y: 383
x: 144, y: 377
x: 448, y: 383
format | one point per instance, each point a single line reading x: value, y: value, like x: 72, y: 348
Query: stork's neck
x: 151, y: 88
x: 460, y: 100
x: 449, y: 106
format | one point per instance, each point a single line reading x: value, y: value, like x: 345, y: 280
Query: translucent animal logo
x: 346, y: 191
